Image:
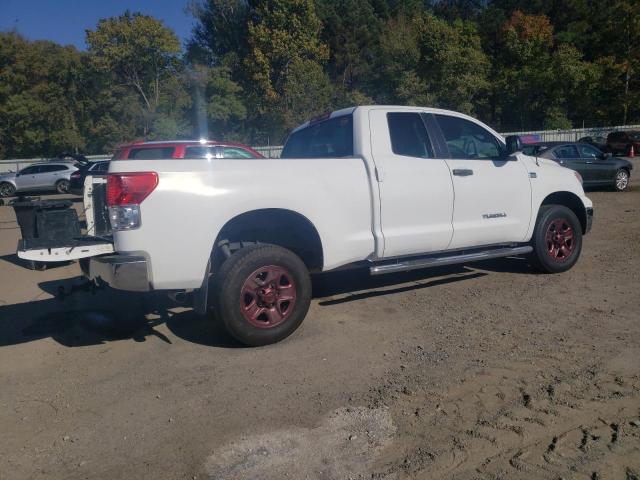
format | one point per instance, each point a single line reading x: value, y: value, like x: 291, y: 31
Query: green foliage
x: 254, y: 69
x: 138, y: 50
x: 40, y: 97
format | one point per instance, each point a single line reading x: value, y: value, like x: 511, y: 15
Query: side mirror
x: 514, y: 144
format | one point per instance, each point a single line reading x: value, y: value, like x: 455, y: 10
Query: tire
x: 557, y: 239
x: 621, y: 182
x: 7, y: 189
x: 255, y: 315
x: 62, y: 186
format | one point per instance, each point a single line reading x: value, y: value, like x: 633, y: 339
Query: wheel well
x: 572, y: 202
x: 281, y: 227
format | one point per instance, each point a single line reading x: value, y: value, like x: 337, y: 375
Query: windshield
x: 331, y: 138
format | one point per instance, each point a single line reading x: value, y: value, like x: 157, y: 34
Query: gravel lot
x: 489, y: 371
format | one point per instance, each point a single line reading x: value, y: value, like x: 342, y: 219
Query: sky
x: 65, y: 21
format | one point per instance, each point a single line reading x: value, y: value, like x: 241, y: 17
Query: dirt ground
x: 488, y: 371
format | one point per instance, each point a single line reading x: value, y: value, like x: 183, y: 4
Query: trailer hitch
x: 85, y: 286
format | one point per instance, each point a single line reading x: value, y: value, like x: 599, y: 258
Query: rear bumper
x: 589, y: 219
x: 123, y: 272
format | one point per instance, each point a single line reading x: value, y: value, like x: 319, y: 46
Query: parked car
x: 77, y: 178
x: 188, y: 149
x: 41, y: 176
x: 623, y: 142
x: 393, y: 188
x: 598, y: 169
x: 597, y: 141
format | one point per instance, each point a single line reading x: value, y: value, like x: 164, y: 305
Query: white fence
x: 275, y: 151
x: 573, y: 135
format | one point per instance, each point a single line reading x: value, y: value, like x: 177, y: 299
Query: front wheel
x: 62, y: 186
x: 262, y: 294
x: 622, y: 180
x: 557, y: 239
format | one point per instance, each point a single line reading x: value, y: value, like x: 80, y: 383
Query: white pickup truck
x: 394, y: 188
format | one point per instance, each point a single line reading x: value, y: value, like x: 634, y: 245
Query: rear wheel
x: 557, y: 239
x: 7, y: 189
x: 262, y: 294
x: 622, y: 180
x: 62, y: 186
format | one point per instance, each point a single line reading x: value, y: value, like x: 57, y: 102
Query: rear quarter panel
x: 194, y: 199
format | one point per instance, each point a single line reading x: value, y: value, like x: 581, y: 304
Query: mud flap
x: 201, y: 295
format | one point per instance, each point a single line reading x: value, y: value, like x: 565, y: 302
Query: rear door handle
x: 462, y: 172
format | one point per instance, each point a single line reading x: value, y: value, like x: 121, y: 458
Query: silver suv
x: 39, y: 176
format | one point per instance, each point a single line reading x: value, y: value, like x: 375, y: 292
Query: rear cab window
x: 331, y: 138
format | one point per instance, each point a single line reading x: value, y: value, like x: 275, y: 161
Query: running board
x: 405, y: 266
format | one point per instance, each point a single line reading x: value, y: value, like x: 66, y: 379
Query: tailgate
x: 51, y: 230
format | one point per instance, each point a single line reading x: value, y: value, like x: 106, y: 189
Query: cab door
x: 416, y: 191
x: 492, y: 192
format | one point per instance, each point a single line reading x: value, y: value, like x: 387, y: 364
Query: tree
x: 140, y: 52
x: 41, y: 97
x: 219, y: 36
x: 283, y: 38
x: 427, y: 61
x: 351, y: 30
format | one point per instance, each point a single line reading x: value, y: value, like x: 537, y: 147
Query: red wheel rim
x: 560, y: 240
x: 268, y: 297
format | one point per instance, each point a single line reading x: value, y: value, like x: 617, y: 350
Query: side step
x: 406, y: 265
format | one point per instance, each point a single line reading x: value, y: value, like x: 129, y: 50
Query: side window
x: 235, y: 152
x: 56, y: 168
x: 200, y: 152
x: 151, y: 153
x: 29, y: 171
x: 409, y: 135
x: 103, y: 167
x: 331, y: 138
x: 467, y: 140
x: 566, y: 151
x: 587, y: 151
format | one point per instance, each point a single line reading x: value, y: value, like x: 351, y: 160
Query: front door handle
x: 462, y: 172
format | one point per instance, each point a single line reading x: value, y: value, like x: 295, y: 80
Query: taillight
x: 130, y: 188
x: 125, y: 193
x: 76, y: 174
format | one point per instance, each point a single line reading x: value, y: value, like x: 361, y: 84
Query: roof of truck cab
x: 367, y: 108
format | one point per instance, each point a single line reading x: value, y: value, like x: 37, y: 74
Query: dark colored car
x: 184, y: 149
x: 77, y: 178
x: 597, y: 141
x: 623, y: 142
x: 597, y: 169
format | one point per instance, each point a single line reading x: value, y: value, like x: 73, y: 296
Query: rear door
x: 492, y: 192
x: 416, y: 191
x: 55, y: 173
